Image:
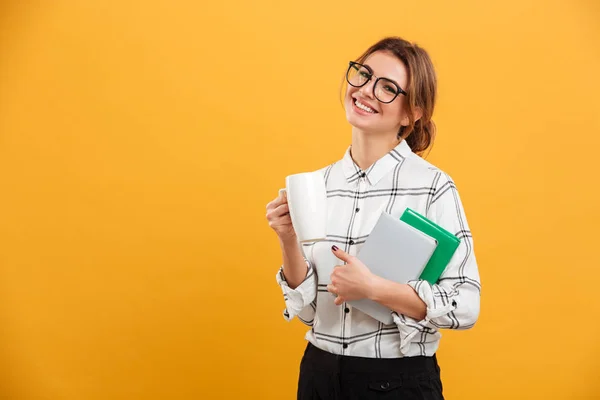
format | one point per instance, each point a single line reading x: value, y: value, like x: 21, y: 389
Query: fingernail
x: 334, y: 247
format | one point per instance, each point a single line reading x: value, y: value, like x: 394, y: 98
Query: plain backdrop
x: 141, y: 140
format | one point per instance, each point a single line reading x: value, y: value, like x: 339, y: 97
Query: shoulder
x: 424, y: 173
x: 421, y: 171
x: 327, y: 168
x: 333, y: 168
x: 443, y: 187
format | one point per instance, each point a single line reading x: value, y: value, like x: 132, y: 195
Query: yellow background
x: 141, y: 140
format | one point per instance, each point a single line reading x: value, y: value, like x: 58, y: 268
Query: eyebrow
x: 391, y: 80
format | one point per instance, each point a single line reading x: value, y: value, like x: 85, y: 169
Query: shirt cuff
x: 438, y: 300
x: 439, y: 303
x: 298, y: 298
x: 408, y: 328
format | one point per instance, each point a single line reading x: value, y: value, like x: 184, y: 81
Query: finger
x: 341, y: 254
x: 331, y: 289
x: 282, y: 196
x: 338, y: 301
x: 284, y: 220
x: 335, y: 273
x: 279, y: 200
x: 279, y: 211
x: 279, y: 225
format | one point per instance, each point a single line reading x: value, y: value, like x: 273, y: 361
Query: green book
x: 447, y: 244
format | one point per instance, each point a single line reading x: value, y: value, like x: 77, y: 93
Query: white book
x: 395, y: 251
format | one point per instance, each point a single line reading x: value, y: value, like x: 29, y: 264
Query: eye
x: 390, y: 89
x: 364, y: 72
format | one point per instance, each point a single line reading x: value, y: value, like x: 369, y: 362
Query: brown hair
x: 421, y: 90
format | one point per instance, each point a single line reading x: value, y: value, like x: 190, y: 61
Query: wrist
x: 288, y: 241
x: 373, y: 287
x: 378, y: 289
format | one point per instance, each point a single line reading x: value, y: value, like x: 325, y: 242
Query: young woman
x: 389, y: 103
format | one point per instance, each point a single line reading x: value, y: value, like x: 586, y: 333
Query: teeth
x: 363, y: 107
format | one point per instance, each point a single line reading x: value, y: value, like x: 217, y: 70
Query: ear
x: 417, y: 113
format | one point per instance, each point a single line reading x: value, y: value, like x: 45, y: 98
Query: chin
x: 356, y: 119
x: 360, y: 123
x: 355, y: 122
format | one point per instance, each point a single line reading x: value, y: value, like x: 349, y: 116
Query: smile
x: 364, y: 107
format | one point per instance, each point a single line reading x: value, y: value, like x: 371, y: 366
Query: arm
x: 301, y: 292
x: 295, y: 268
x: 453, y: 302
x: 296, y: 276
x: 355, y: 281
x: 399, y: 297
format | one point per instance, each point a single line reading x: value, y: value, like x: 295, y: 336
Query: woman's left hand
x: 352, y: 281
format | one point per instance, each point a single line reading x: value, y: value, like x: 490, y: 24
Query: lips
x: 364, y: 106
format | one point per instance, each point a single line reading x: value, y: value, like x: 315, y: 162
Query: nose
x: 367, y: 89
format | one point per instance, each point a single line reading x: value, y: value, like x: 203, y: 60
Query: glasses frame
x: 354, y: 64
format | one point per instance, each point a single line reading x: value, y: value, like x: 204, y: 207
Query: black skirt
x: 327, y: 376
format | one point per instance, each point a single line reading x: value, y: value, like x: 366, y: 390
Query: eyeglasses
x: 385, y: 90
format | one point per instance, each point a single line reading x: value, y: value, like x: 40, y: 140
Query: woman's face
x: 363, y: 110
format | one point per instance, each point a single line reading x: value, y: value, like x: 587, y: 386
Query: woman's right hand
x: 278, y: 215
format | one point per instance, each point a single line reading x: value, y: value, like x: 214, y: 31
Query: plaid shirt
x: 356, y: 199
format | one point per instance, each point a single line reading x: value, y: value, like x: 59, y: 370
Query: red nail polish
x: 334, y: 247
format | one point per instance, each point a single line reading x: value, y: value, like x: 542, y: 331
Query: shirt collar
x: 380, y: 168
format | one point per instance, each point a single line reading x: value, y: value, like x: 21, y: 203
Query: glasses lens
x: 357, y: 75
x: 386, y: 90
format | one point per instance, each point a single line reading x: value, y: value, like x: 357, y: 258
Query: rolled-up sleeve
x: 452, y: 302
x: 299, y: 301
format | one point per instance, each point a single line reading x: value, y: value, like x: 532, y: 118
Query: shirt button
x: 346, y: 310
x: 351, y: 242
x: 345, y: 345
x: 357, y: 209
x: 363, y: 175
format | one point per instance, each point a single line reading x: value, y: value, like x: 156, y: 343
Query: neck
x: 368, y: 148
